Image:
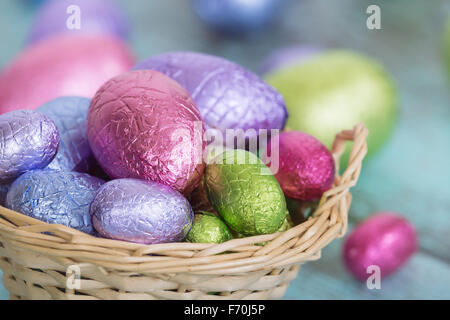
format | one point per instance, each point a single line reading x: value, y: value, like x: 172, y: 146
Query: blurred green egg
x: 336, y: 90
x: 447, y: 45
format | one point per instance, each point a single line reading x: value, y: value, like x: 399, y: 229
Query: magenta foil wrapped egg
x: 141, y: 211
x: 385, y: 240
x: 305, y: 169
x: 227, y: 95
x: 142, y: 124
x: 61, y: 66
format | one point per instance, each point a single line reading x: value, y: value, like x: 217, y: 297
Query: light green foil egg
x: 208, y: 228
x: 245, y: 193
x: 336, y: 90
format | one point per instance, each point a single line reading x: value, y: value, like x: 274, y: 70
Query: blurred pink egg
x: 62, y: 66
x: 385, y: 240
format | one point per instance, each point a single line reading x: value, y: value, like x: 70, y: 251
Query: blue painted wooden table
x: 410, y: 175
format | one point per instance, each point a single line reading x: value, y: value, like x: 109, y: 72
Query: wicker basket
x: 35, y: 257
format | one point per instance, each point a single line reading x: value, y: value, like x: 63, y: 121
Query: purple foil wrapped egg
x: 385, y: 240
x: 227, y: 95
x: 305, y: 169
x: 287, y: 56
x: 55, y: 197
x: 97, y: 17
x: 141, y: 211
x: 29, y: 140
x: 61, y: 66
x: 142, y: 124
x: 70, y: 115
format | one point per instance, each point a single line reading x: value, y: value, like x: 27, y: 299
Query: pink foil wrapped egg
x: 142, y: 124
x: 61, y: 66
x: 305, y: 168
x: 385, y: 240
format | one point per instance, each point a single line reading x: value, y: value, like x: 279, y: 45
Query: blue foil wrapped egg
x: 238, y: 16
x: 70, y: 115
x: 141, y: 211
x: 97, y: 17
x: 28, y: 140
x: 227, y: 95
x: 55, y: 197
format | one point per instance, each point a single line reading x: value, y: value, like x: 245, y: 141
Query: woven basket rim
x: 303, y: 242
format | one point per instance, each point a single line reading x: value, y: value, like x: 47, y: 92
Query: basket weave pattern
x: 35, y: 256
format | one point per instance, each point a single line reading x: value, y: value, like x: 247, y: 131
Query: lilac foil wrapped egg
x: 61, y: 66
x: 227, y: 95
x: 305, y: 169
x: 29, y: 140
x: 142, y: 124
x: 141, y: 211
x: 385, y: 240
x: 95, y: 17
x: 69, y: 115
x: 55, y: 197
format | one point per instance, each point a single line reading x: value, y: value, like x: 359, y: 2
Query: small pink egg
x: 306, y: 167
x: 385, y: 240
x: 62, y: 66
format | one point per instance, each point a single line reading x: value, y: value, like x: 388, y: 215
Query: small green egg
x: 242, y: 189
x: 207, y: 228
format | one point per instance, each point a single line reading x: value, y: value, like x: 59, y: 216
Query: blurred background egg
x: 141, y: 211
x: 61, y: 66
x: 142, y: 124
x: 385, y: 240
x: 95, y: 16
x: 287, y: 56
x: 29, y: 140
x: 55, y: 197
x: 336, y: 90
x: 238, y: 17
x: 70, y: 115
x: 227, y: 95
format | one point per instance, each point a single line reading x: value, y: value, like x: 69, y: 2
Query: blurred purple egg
x: 227, y: 95
x: 62, y: 66
x: 29, y: 140
x: 70, y: 115
x: 141, y: 211
x: 96, y: 17
x: 238, y: 17
x: 56, y: 197
x: 287, y: 56
x: 385, y: 240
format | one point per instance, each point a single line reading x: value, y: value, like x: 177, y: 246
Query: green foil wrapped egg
x: 208, y: 228
x: 245, y: 193
x: 336, y: 90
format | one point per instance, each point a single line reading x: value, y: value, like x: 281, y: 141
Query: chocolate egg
x: 55, y: 197
x: 62, y: 66
x: 142, y: 124
x: 227, y: 95
x: 97, y: 17
x: 306, y: 167
x: 385, y: 240
x: 287, y: 56
x: 208, y: 228
x: 244, y: 192
x: 335, y: 90
x: 69, y: 115
x: 141, y: 211
x: 238, y: 16
x: 29, y: 140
